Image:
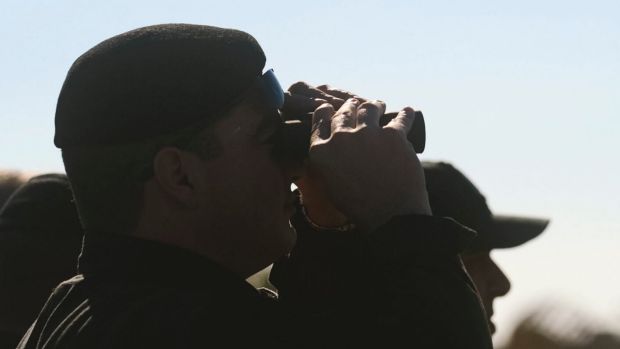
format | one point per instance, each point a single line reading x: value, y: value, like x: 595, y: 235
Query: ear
x: 172, y: 169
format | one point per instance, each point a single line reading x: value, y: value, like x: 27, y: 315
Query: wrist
x: 327, y: 220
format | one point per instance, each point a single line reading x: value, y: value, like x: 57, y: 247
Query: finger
x: 342, y: 94
x: 321, y: 122
x: 298, y: 105
x: 302, y: 88
x: 346, y: 116
x: 369, y: 113
x: 403, y: 121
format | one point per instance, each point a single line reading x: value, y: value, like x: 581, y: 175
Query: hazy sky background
x: 522, y: 96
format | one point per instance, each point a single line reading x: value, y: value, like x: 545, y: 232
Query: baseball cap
x: 452, y: 194
x: 153, y: 81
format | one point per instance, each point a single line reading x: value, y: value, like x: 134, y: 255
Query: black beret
x: 152, y: 81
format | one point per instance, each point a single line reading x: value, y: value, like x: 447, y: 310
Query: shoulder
x: 80, y: 314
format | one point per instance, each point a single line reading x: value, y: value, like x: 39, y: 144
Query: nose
x: 500, y: 285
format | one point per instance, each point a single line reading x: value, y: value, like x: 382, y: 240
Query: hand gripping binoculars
x: 293, y: 138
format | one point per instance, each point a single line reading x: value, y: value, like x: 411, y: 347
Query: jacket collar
x: 108, y: 256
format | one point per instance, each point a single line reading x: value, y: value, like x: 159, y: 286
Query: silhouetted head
x: 167, y: 134
x: 452, y: 194
x: 40, y: 239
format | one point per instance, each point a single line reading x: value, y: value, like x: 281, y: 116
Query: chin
x: 491, y: 327
x: 277, y: 244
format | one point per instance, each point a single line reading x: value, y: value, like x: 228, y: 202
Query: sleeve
x: 404, y: 285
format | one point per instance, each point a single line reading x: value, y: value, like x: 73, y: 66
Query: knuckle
x: 324, y: 110
x: 338, y: 124
x: 392, y: 132
x: 345, y: 114
x: 408, y: 114
x: 298, y: 87
x: 370, y: 107
x: 409, y: 110
x: 321, y: 110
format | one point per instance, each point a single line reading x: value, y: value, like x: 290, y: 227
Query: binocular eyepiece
x: 294, y: 139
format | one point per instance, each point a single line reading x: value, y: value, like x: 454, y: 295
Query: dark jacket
x: 133, y: 293
x: 403, y: 286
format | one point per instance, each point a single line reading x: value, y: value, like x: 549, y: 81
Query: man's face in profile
x: 247, y: 201
x: 490, y: 281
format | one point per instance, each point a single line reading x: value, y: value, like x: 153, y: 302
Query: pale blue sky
x: 524, y: 97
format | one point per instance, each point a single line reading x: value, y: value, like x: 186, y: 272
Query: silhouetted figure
x: 172, y: 141
x: 40, y: 239
x: 451, y: 194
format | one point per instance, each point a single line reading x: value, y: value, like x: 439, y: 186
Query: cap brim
x: 511, y: 231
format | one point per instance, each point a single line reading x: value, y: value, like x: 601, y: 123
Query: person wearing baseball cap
x: 172, y: 141
x: 452, y: 194
x: 40, y: 239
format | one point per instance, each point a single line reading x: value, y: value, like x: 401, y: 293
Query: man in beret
x: 172, y: 141
x: 452, y: 194
x: 40, y: 239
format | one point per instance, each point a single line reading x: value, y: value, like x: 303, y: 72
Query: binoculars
x: 294, y: 139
